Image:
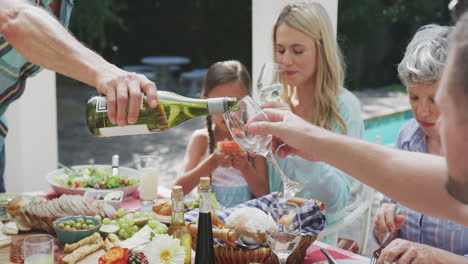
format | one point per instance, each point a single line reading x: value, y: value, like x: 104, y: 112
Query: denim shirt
x: 15, y: 69
x: 419, y: 228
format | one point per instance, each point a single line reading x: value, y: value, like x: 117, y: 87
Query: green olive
x: 73, y: 229
x: 90, y: 222
x: 71, y: 222
x: 91, y: 226
x: 68, y: 227
x: 77, y: 225
x: 61, y: 225
x: 80, y: 220
x: 84, y: 226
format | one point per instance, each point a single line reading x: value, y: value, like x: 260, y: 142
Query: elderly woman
x: 422, y: 238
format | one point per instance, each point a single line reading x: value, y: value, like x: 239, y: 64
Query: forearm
x: 190, y: 179
x: 256, y: 179
x: 41, y: 39
x: 413, y: 179
x: 440, y: 256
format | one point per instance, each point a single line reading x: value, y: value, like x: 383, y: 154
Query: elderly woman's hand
x: 384, y: 220
x: 124, y: 93
x: 404, y: 251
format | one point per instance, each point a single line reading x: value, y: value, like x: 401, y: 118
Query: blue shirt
x: 324, y: 182
x: 15, y: 69
x: 419, y: 228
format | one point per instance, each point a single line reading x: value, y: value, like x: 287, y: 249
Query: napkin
x: 311, y: 218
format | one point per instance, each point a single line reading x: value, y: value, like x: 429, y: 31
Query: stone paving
x: 77, y: 145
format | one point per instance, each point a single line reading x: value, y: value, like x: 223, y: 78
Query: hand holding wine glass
x: 269, y: 85
x: 236, y: 119
x: 286, y: 234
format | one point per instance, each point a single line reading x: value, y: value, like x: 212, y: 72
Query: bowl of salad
x: 97, y: 177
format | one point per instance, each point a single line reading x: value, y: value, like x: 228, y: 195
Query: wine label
x: 124, y: 131
x: 101, y: 105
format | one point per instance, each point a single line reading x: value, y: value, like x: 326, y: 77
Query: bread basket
x: 236, y: 255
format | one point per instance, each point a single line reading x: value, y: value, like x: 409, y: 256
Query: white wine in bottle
x: 172, y: 110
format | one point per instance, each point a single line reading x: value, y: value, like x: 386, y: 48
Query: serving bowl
x: 73, y: 236
x: 125, y: 171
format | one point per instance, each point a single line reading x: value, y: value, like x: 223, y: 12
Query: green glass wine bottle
x: 172, y: 110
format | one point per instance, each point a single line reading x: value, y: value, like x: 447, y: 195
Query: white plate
x: 125, y: 171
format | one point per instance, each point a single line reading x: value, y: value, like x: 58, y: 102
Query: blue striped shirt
x: 419, y: 228
x: 15, y: 69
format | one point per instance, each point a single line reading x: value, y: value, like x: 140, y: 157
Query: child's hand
x: 223, y: 159
x: 240, y: 161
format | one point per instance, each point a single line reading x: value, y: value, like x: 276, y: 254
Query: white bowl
x: 125, y: 171
x: 95, y: 194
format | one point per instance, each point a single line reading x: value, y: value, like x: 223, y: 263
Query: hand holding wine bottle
x: 172, y: 110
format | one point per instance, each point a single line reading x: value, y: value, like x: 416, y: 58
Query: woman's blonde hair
x: 312, y: 20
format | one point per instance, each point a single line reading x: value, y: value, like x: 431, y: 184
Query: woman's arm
x: 42, y: 40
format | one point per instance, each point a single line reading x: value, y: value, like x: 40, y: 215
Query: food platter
x: 124, y: 171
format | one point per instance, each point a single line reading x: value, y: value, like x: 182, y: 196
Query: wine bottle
x: 178, y: 229
x: 172, y: 110
x: 205, y: 250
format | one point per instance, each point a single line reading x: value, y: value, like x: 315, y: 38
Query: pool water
x: 387, y: 127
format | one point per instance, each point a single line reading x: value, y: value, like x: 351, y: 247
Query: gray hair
x: 425, y: 56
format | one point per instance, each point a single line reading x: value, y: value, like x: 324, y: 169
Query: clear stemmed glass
x: 236, y: 119
x: 284, y: 237
x: 269, y: 86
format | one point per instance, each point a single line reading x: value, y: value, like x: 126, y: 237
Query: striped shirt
x: 15, y: 69
x: 419, y: 228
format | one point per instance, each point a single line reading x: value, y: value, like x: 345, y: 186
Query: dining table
x: 162, y: 68
x: 132, y: 203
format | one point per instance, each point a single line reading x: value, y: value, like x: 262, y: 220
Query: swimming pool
x: 387, y: 127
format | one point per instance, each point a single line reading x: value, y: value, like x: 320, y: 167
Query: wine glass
x: 269, y: 86
x: 285, y: 235
x: 236, y: 119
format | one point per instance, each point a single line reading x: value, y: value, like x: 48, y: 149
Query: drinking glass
x: 269, y: 86
x: 38, y: 249
x: 236, y: 119
x: 284, y: 237
x: 148, y: 180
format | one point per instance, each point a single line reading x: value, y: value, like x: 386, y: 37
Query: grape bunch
x: 137, y: 258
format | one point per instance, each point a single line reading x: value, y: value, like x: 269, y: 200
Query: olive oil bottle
x: 178, y: 229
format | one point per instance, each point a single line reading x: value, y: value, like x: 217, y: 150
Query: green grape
x: 121, y: 212
x: 135, y: 228
x: 126, y: 235
x: 113, y: 222
x: 152, y: 224
x: 124, y: 225
x: 137, y: 215
x: 98, y: 217
x: 106, y: 221
x: 130, y: 222
x: 121, y: 221
x: 132, y: 233
x: 122, y: 233
x: 160, y: 229
x: 146, y: 215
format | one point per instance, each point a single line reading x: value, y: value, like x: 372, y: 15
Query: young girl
x: 233, y: 176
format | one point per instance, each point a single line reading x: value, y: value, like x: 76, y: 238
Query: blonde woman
x: 304, y: 44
